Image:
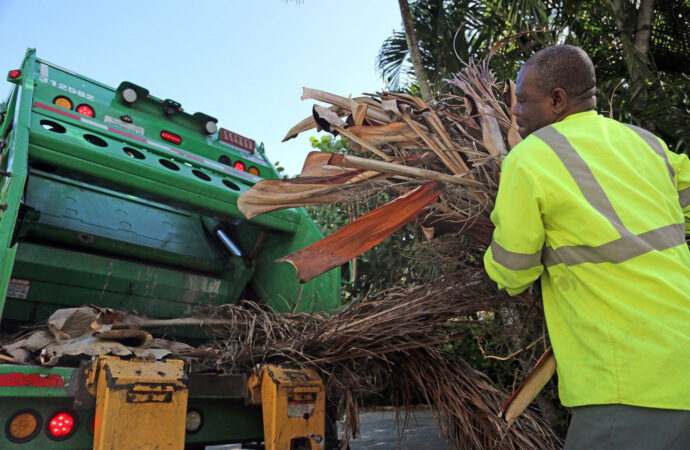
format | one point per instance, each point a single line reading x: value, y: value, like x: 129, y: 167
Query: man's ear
x: 559, y: 100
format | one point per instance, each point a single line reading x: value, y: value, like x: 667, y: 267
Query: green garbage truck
x: 117, y: 198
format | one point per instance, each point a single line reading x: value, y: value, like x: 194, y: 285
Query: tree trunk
x: 637, y: 45
x: 643, y: 30
x: 415, y: 54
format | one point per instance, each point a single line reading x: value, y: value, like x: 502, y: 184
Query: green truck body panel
x: 103, y: 210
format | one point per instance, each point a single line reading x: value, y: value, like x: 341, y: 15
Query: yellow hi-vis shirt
x: 600, y: 210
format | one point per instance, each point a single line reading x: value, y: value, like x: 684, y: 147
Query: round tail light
x: 23, y: 426
x: 14, y: 74
x: 62, y: 425
x: 86, y: 110
x: 129, y: 95
x: 63, y: 102
x: 239, y: 165
x: 210, y: 127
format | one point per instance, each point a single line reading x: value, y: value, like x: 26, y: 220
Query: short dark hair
x: 564, y: 66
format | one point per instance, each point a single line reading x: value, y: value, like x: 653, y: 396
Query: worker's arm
x: 514, y: 258
x: 681, y: 165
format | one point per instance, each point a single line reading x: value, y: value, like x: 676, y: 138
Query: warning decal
x: 18, y: 288
x: 301, y: 404
x: 299, y: 409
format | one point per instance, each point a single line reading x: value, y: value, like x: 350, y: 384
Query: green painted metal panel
x: 276, y: 282
x: 67, y: 278
x: 84, y: 215
x: 227, y: 421
x: 16, y: 154
x: 148, y: 177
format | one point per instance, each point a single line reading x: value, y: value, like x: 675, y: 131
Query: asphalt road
x: 378, y: 432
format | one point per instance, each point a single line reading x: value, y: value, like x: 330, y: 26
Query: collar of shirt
x: 584, y: 114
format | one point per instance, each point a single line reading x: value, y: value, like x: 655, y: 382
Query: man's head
x: 554, y: 83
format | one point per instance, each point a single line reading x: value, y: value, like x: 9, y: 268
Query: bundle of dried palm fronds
x: 441, y: 163
x: 453, y: 146
x: 388, y: 344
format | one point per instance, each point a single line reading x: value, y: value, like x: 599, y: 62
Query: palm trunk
x: 643, y: 31
x: 415, y: 54
x: 637, y: 43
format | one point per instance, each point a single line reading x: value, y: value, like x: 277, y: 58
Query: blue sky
x: 243, y: 62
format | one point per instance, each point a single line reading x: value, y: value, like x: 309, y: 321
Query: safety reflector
x: 14, y: 74
x: 171, y: 137
x: 253, y: 170
x: 23, y: 426
x: 61, y: 426
x: 86, y: 110
x: 63, y: 102
x: 239, y: 165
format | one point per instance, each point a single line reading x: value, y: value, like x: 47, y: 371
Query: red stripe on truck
x: 55, y: 110
x: 30, y: 379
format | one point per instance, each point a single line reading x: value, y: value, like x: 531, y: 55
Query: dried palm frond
x: 389, y: 343
x: 466, y: 136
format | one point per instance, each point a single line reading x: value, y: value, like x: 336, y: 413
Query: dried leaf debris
x: 388, y: 344
x: 78, y: 333
x: 402, y: 143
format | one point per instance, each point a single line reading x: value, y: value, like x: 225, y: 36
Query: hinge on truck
x: 139, y: 404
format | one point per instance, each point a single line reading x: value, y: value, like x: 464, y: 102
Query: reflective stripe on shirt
x: 684, y: 198
x: 653, y: 142
x: 512, y: 260
x: 618, y: 250
x: 582, y: 175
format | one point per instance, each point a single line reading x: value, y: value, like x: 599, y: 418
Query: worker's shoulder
x: 596, y: 127
x: 530, y: 151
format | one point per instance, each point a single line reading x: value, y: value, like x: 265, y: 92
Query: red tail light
x: 86, y: 110
x: 61, y: 426
x: 14, y: 74
x: 239, y: 165
x: 171, y: 137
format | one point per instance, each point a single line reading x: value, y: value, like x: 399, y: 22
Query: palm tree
x: 415, y: 54
x: 635, y: 45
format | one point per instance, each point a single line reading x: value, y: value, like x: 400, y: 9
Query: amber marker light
x: 63, y: 102
x: 23, y: 426
x: 253, y: 170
